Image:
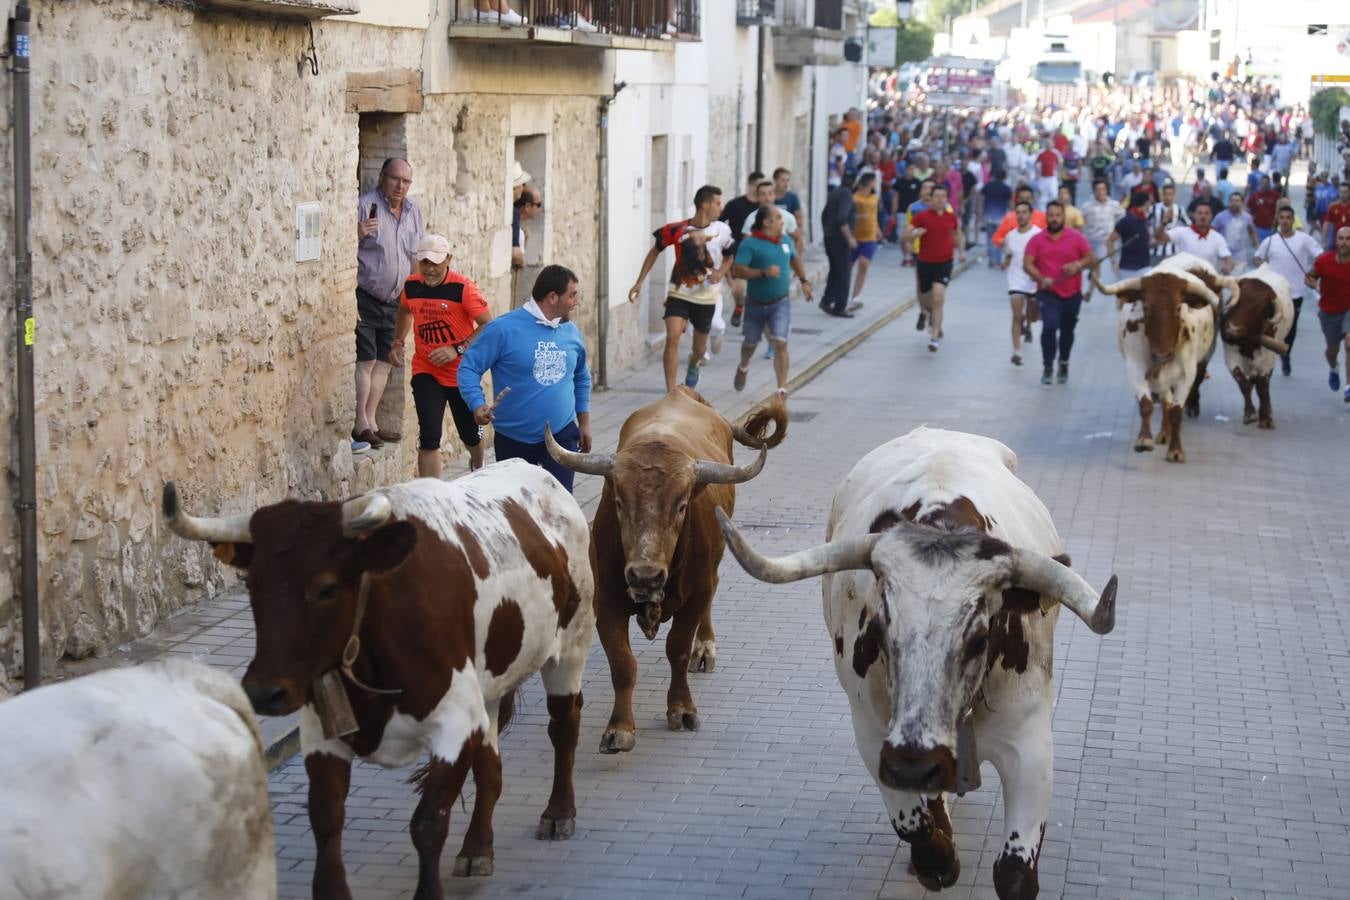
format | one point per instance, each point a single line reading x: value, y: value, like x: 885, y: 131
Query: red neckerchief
x: 1139, y: 212
x: 762, y: 236
x: 1202, y: 234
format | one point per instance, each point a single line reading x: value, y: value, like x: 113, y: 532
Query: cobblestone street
x: 1201, y: 749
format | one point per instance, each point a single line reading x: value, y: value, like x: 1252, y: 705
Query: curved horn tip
x: 1104, y: 619
x: 170, y: 500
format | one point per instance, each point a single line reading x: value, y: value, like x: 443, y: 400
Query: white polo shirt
x: 1211, y: 248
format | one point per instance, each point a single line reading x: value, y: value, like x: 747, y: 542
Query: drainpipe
x: 759, y: 100
x: 26, y: 505
x: 602, y: 254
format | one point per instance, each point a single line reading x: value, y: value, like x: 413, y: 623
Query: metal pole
x: 602, y: 256
x: 759, y: 102
x: 26, y: 505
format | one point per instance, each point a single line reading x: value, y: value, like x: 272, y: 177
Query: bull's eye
x: 978, y: 646
x: 681, y: 507
x: 326, y: 592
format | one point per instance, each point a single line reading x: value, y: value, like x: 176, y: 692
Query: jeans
x: 1059, y: 317
x: 836, y: 285
x: 569, y: 439
x: 995, y: 252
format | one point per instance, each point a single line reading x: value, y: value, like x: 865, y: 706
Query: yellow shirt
x: 1073, y: 218
x: 867, y: 228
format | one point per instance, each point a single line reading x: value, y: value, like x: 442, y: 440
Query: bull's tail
x: 751, y: 432
x: 506, y: 709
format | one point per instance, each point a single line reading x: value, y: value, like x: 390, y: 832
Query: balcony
x: 811, y: 33
x: 293, y: 9
x: 756, y: 12
x: 599, y: 24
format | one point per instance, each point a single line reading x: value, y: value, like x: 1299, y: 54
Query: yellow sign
x: 29, y: 330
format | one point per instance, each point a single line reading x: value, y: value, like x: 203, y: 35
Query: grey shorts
x: 774, y: 317
x: 1335, y: 326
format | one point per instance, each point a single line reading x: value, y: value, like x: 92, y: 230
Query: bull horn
x: 225, y: 530
x: 836, y: 556
x: 1229, y: 282
x: 1129, y: 284
x: 365, y: 513
x: 708, y: 472
x: 585, y: 463
x: 1043, y: 575
x: 1198, y: 289
x: 1275, y: 344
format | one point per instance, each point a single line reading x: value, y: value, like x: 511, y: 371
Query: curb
x: 287, y: 744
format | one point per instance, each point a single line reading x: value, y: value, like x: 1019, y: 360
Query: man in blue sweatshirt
x: 540, y: 357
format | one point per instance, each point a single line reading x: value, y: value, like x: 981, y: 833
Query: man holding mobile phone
x: 389, y: 227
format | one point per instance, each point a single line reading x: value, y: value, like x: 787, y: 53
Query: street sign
x: 881, y: 48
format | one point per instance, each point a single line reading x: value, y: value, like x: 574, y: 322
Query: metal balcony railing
x: 651, y: 19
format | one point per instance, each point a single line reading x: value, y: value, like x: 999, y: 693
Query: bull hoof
x: 552, y: 830
x: 1143, y: 445
x: 1248, y: 418
x: 1014, y: 879
x: 1266, y: 423
x: 616, y: 740
x: 704, y: 658
x: 683, y: 720
x: 935, y: 863
x: 1192, y: 410
x: 475, y: 866
x: 1176, y: 455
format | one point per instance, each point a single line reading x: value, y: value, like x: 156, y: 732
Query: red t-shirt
x: 1335, y: 284
x: 1051, y: 255
x: 1061, y: 142
x: 1262, y: 206
x: 1338, y: 214
x: 939, y: 238
x: 442, y: 314
x: 1047, y: 162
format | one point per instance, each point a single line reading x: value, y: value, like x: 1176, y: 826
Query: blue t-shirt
x: 757, y: 253
x: 1133, y: 233
x: 997, y: 196
x: 544, y: 367
x: 789, y: 201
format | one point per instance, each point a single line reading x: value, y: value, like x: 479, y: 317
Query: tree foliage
x: 913, y: 40
x: 1325, y: 109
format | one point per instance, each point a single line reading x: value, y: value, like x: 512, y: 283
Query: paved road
x: 1201, y: 750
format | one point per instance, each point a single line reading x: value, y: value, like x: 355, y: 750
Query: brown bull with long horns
x: 656, y: 541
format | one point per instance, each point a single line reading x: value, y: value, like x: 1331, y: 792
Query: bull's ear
x: 234, y: 553
x: 386, y: 547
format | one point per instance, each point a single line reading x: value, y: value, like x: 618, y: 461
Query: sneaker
x: 736, y: 316
x: 1026, y: 330
x: 1334, y: 380
x: 691, y: 375
x: 854, y: 306
x: 1285, y: 366
x: 583, y: 25
x: 768, y: 351
x: 716, y: 345
x: 1046, y: 376
x: 739, y: 381
x: 1017, y: 359
x: 1063, y: 373
x: 932, y: 345
x: 922, y: 322
x: 360, y: 447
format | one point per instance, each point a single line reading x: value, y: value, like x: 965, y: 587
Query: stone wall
x: 177, y: 337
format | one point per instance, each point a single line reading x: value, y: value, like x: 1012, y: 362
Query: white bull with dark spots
x: 942, y: 587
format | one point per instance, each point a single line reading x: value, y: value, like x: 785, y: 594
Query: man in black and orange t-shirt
x: 443, y: 309
x: 939, y: 233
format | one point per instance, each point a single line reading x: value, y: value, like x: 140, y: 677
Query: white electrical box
x: 307, y: 243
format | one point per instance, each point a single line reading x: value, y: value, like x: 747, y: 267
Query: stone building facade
x: 177, y: 336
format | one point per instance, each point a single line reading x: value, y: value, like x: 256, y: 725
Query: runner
x: 1201, y: 240
x: 1021, y: 289
x: 1292, y: 254
x: 763, y: 260
x: 1055, y: 260
x: 939, y: 233
x: 1332, y: 272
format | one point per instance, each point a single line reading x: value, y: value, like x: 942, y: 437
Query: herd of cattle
x: 402, y: 622
x: 1169, y: 321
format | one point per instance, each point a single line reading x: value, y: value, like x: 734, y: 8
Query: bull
x: 1253, y: 327
x: 657, y: 546
x: 1166, y: 331
x: 434, y: 600
x: 944, y: 577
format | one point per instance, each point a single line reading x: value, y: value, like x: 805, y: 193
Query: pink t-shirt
x: 1052, y: 255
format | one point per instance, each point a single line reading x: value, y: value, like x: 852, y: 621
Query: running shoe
x: 1017, y: 359
x: 736, y: 316
x: 739, y: 381
x: 716, y: 345
x: 854, y: 306
x: 691, y: 375
x: 1063, y: 373
x: 1046, y: 376
x: 922, y: 322
x: 1334, y: 380
x: 932, y: 345
x: 1026, y: 330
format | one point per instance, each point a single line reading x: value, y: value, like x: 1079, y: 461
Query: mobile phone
x: 372, y: 211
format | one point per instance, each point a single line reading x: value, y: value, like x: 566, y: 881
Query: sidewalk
x: 219, y: 631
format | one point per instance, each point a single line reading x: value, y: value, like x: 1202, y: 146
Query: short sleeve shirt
x: 1211, y: 247
x: 1335, y: 283
x: 1133, y: 233
x: 694, y: 260
x: 1015, y: 246
x: 760, y: 253
x: 789, y: 201
x: 1053, y: 254
x: 938, y: 242
x: 443, y: 315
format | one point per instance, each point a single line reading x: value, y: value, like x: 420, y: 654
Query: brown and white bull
x: 657, y: 545
x: 1253, y: 326
x: 1167, y: 324
x: 449, y: 595
x: 941, y: 612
